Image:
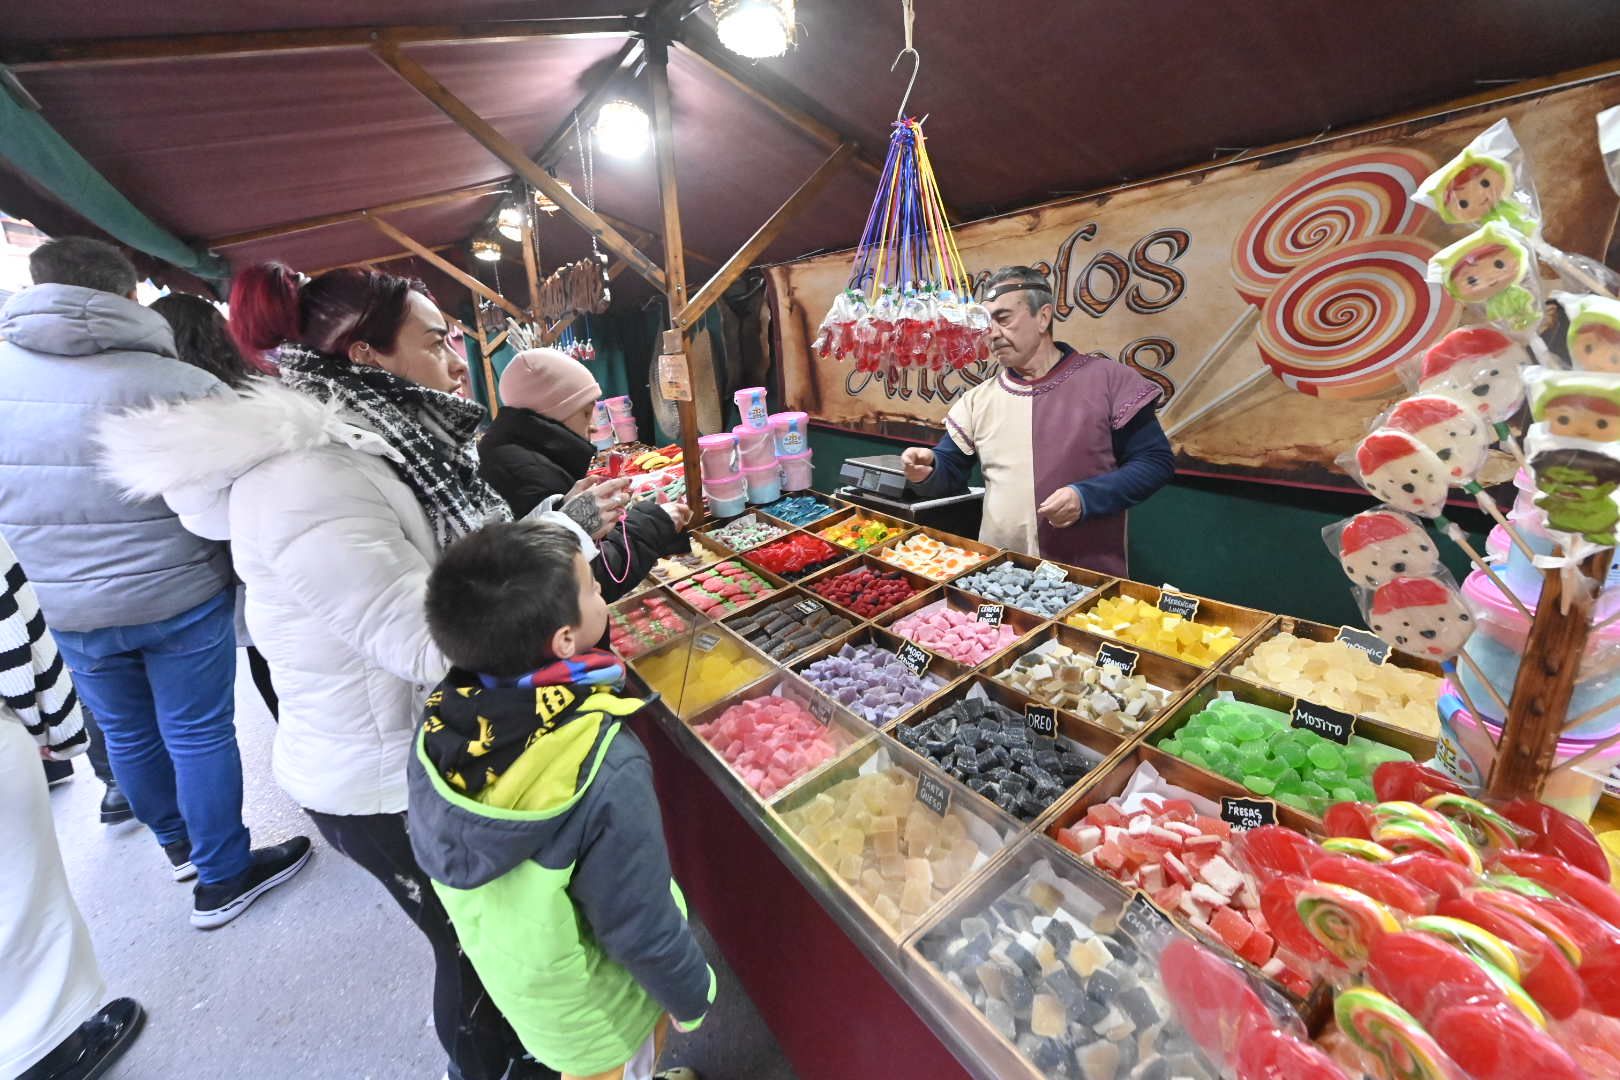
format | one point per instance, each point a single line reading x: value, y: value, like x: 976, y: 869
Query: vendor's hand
x: 919, y: 464
x: 679, y: 513
x: 596, y: 505
x: 1062, y: 508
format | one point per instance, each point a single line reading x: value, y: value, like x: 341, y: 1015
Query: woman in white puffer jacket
x: 337, y: 488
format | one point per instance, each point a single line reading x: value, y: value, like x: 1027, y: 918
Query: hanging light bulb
x: 754, y: 28
x: 622, y: 129
x: 487, y: 249
x: 509, y: 222
x: 544, y: 203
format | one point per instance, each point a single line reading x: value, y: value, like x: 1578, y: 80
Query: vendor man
x: 1068, y: 441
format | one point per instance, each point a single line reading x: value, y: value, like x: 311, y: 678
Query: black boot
x: 91, y: 1050
x: 115, y: 806
x: 57, y: 772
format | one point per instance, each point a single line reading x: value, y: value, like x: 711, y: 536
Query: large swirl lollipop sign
x: 1353, y: 198
x: 1338, y: 326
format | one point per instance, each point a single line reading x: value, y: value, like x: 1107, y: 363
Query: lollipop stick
x: 1488, y: 504
x: 1590, y: 751
x: 1490, y: 688
x: 1504, y: 436
x: 1243, y: 323
x: 1593, y: 713
x: 1210, y: 407
x: 1458, y: 537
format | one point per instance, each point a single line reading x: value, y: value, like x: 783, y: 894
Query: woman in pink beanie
x: 537, y: 447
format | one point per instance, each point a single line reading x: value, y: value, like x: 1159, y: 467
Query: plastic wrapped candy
x: 1422, y: 616
x: 1487, y: 182
x: 835, y: 338
x: 1576, y: 486
x: 1493, y: 268
x: 1478, y: 365
x: 1575, y: 404
x: 1399, y: 470
x: 1594, y: 331
x: 1377, y: 546
x: 1608, y: 124
x: 1446, y: 427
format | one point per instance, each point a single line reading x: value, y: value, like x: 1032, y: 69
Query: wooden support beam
x: 373, y: 262
x: 466, y: 331
x: 705, y: 297
x: 478, y: 287
x: 610, y: 81
x: 487, y: 363
x: 674, y: 253
x: 25, y: 56
x: 321, y: 221
x: 416, y: 77
x: 531, y: 260
x: 499, y: 339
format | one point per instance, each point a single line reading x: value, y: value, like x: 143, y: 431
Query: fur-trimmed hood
x: 209, y: 442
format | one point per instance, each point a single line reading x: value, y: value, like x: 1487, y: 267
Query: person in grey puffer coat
x: 143, y: 609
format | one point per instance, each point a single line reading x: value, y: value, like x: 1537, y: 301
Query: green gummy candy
x: 1323, y: 756
x: 1259, y: 785
x: 1344, y: 794
x: 1313, y: 789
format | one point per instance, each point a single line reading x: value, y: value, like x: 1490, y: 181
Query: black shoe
x: 179, y: 854
x: 91, y: 1050
x: 216, y: 905
x: 57, y: 772
x: 115, y: 806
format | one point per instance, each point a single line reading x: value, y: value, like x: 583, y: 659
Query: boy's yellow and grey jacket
x: 557, y: 878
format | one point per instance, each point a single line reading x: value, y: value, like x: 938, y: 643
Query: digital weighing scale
x: 879, y: 483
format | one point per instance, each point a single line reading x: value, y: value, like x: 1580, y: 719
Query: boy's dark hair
x: 498, y: 595
x: 81, y: 261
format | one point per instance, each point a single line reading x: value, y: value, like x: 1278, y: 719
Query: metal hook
x: 916, y: 66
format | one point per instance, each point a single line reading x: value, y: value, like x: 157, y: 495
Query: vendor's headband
x: 1017, y: 286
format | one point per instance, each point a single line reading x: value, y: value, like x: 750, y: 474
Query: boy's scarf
x: 431, y: 431
x: 474, y: 732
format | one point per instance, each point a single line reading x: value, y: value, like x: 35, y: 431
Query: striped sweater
x: 34, y: 683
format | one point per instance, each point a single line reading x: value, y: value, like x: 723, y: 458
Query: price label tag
x: 992, y: 614
x: 1119, y: 656
x: 1143, y: 922
x: 1174, y: 603
x: 821, y: 709
x: 674, y: 377
x: 1051, y: 570
x: 705, y: 642
x: 1376, y: 648
x: 1326, y: 722
x: 932, y: 793
x: 915, y: 657
x: 1041, y: 719
x: 1245, y: 814
x: 808, y: 607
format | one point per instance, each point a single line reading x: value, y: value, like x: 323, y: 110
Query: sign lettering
x: 1376, y: 648
x: 915, y: 657
x: 1051, y: 570
x: 1144, y: 922
x: 1041, y: 719
x: 1245, y: 814
x: 1326, y: 722
x: 992, y: 614
x: 1119, y: 656
x: 705, y: 642
x: 1174, y: 603
x: 932, y: 793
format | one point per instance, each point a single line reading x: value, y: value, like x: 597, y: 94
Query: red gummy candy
x: 1423, y: 975
x: 1349, y: 819
x: 1212, y: 998
x: 1267, y: 1053
x: 1373, y: 880
x: 1440, y: 876
x: 1548, y: 976
x: 1557, y: 833
x: 1277, y: 906
x: 1407, y: 781
x: 1576, y: 884
x: 1500, y: 1044
x: 1273, y: 850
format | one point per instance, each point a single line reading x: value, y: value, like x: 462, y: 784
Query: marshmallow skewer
x: 1455, y: 534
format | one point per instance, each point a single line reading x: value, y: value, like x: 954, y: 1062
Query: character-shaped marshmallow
x: 1594, y: 334
x: 1454, y: 434
x: 1478, y: 365
x: 1378, y: 546
x: 1403, y: 472
x: 1422, y: 616
x: 1491, y: 267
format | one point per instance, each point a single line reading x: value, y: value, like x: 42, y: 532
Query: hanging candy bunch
x: 909, y: 303
x: 577, y: 346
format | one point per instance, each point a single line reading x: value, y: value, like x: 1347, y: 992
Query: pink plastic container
x: 1466, y: 752
x: 751, y: 406
x: 796, y: 471
x: 599, y: 414
x: 602, y: 437
x: 764, y: 483
x: 788, y: 430
x: 755, y: 447
x: 619, y: 408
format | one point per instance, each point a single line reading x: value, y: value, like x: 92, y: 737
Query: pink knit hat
x: 551, y: 383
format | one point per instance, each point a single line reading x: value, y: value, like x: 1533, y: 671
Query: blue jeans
x: 164, y: 695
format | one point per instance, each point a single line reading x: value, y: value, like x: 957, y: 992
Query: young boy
x: 532, y: 810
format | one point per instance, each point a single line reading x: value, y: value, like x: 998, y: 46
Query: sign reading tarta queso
x: 1189, y: 279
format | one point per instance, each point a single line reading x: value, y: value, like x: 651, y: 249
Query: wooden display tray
x: 844, y: 555
x: 865, y: 561
x: 708, y: 530
x: 1104, y: 902
x: 1244, y: 622
x: 945, y: 538
x: 838, y: 506
x: 962, y: 801
x: 677, y: 703
x: 905, y: 528
x: 793, y: 594
x: 846, y: 729
x: 948, y: 670
x: 1094, y: 741
x: 700, y: 540
x: 1314, y: 631
x: 1023, y: 623
x: 1091, y: 579
x: 1176, y: 676
x: 1420, y: 748
x: 777, y: 585
x: 636, y: 600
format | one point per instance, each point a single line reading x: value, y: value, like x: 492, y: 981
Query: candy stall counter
x: 1191, y: 628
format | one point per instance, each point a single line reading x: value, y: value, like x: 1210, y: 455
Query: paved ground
x: 322, y: 980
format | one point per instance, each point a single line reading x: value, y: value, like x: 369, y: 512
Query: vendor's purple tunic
x: 1035, y: 437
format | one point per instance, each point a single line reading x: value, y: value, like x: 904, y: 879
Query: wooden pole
x: 488, y: 363
x: 531, y: 258
x: 674, y: 254
x: 767, y: 233
x: 343, y: 217
x: 379, y: 259
x: 24, y: 56
x: 1546, y: 683
x: 417, y: 78
x: 478, y: 287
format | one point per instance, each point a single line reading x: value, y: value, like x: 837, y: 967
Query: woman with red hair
x: 338, y: 486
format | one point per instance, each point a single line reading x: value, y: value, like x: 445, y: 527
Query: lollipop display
x: 1494, y: 269
x: 1485, y: 183
x: 1594, y: 332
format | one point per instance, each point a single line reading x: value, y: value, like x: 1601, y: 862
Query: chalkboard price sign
x: 1118, y: 655
x: 1376, y: 648
x: 932, y: 793
x: 1326, y: 722
x: 1245, y: 814
x: 1041, y: 719
x: 915, y: 657
x: 992, y: 614
x: 1174, y: 603
x: 1144, y: 922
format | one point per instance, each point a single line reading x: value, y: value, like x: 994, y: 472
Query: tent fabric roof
x: 1026, y: 102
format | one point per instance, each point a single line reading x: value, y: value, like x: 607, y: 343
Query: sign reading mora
x: 1177, y: 278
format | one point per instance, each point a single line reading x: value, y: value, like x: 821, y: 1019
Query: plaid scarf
x: 432, y: 432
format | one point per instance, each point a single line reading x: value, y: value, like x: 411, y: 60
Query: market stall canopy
x: 232, y: 133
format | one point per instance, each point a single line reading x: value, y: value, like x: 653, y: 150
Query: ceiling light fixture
x: 486, y: 249
x: 622, y: 129
x: 756, y: 29
x: 544, y: 203
x: 509, y: 222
